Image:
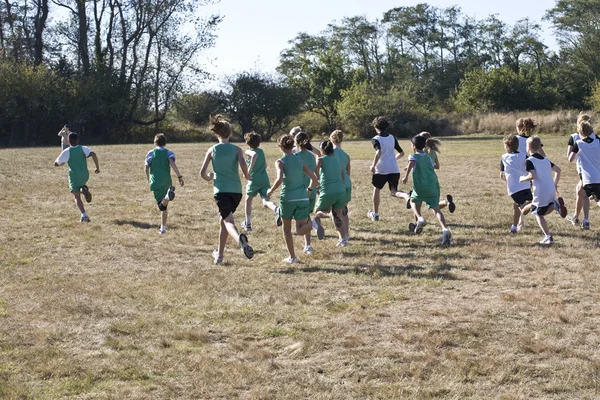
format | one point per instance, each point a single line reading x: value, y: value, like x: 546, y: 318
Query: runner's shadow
x: 136, y: 224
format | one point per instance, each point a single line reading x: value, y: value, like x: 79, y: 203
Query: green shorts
x: 348, y: 194
x: 75, y: 187
x: 294, y: 209
x: 311, y: 205
x: 432, y: 200
x: 160, y: 193
x: 335, y: 200
x: 252, y: 190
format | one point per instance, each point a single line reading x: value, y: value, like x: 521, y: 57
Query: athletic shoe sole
x: 278, y: 220
x: 320, y: 232
x: 419, y: 227
x: 563, y: 208
x: 246, y: 249
x: 451, y: 205
x: 447, y: 239
x: 171, y: 193
x: 86, y: 193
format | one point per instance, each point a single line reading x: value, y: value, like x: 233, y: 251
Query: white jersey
x: 572, y: 139
x: 522, y: 144
x: 588, y: 159
x: 387, y: 163
x: 514, y: 166
x: 543, y: 189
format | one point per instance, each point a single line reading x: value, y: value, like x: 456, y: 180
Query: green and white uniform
x: 225, y: 166
x: 426, y: 187
x: 333, y: 191
x: 309, y: 159
x: 160, y: 171
x: 76, y: 158
x: 344, y: 159
x: 293, y: 200
x: 259, y: 180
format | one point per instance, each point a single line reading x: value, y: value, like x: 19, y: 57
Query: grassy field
x: 113, y: 310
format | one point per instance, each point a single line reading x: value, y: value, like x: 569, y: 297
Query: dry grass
x: 111, y: 310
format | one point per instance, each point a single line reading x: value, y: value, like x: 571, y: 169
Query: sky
x: 254, y: 32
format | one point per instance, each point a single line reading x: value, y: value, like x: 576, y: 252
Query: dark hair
x: 327, y: 147
x: 419, y: 142
x: 219, y: 126
x: 66, y: 126
x: 160, y: 140
x: 303, y: 140
x: 252, y: 139
x: 286, y: 141
x: 73, y: 138
x: 381, y: 123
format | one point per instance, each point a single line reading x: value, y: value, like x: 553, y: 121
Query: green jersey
x: 311, y: 163
x: 258, y: 174
x: 293, y: 188
x: 425, y: 181
x: 344, y: 159
x: 331, y: 175
x: 225, y: 166
x: 160, y: 169
x: 78, y: 170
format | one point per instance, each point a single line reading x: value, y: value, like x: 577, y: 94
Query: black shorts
x: 227, y: 203
x: 380, y: 180
x: 592, y: 189
x: 541, y: 211
x: 522, y: 196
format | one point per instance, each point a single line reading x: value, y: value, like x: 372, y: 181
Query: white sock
x: 84, y: 215
x: 421, y: 219
x: 163, y: 227
x: 513, y: 227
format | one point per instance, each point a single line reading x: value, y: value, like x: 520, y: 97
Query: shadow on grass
x: 137, y: 224
x: 440, y: 272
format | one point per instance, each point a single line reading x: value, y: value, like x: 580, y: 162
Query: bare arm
x: 376, y: 160
x: 316, y: 151
x: 502, y: 175
x: 174, y: 166
x: 318, y: 166
x: 529, y: 177
x: 253, y: 157
x: 279, y: 179
x: 436, y: 164
x: 207, y: 159
x: 399, y: 155
x: 556, y: 170
x: 147, y: 171
x: 409, y: 167
x: 569, y: 151
x: 242, y: 163
x: 95, y: 158
x: 348, y: 168
x: 314, y: 182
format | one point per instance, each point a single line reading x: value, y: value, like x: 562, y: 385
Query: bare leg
x: 163, y: 217
x: 248, y: 209
x: 78, y: 202
x: 269, y: 204
x: 222, y: 237
x: 543, y: 225
x: 339, y: 212
x: 287, y: 236
x: 231, y: 228
x: 376, y: 200
x: 516, y: 214
x: 579, y: 199
x: 439, y: 216
x: 416, y: 208
x: 346, y: 221
x: 303, y: 227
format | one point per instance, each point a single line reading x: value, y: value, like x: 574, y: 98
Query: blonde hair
x: 431, y: 143
x: 511, y: 141
x: 337, y: 136
x: 286, y: 141
x: 219, y: 126
x: 295, y: 130
x: 534, y: 143
x: 583, y: 117
x: 585, y: 128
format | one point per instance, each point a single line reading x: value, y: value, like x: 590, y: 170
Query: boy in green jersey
x: 159, y: 162
x: 227, y: 187
x: 306, y: 152
x: 259, y: 180
x: 426, y: 187
x: 337, y: 137
x: 293, y: 198
x: 76, y: 157
x: 332, y: 196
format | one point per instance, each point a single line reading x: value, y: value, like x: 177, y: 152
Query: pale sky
x: 254, y: 32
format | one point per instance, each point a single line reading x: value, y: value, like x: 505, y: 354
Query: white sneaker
x: 277, y: 214
x: 218, y: 259
x: 573, y: 220
x: 585, y: 225
x: 419, y: 226
x: 291, y: 260
x: 547, y: 240
x: 373, y: 215
x: 308, y: 250
x: 446, y: 237
x: 342, y: 243
x: 247, y: 227
x: 162, y: 230
x: 513, y: 229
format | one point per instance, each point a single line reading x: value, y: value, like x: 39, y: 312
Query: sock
x: 421, y: 219
x: 84, y: 215
x: 513, y: 227
x: 163, y: 227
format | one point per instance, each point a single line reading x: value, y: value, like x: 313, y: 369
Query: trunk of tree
x: 84, y: 53
x: 40, y: 24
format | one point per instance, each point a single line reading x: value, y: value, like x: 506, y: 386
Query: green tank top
x: 425, y: 181
x: 259, y: 175
x: 78, y: 170
x: 293, y: 188
x: 311, y: 163
x: 331, y: 175
x: 344, y: 159
x: 160, y: 170
x: 225, y: 167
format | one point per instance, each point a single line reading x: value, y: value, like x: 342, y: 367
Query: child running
x: 294, y: 195
x: 385, y: 165
x: 426, y: 187
x: 76, y: 157
x: 581, y: 200
x: 259, y: 180
x: 336, y: 138
x: 513, y: 165
x: 227, y: 187
x: 525, y: 127
x: 587, y: 151
x: 332, y: 196
x: 158, y: 172
x: 302, y: 141
x: 543, y: 186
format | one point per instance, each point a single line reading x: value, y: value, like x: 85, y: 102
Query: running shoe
x: 246, y: 249
x: 86, y: 193
x: 246, y: 226
x: 373, y: 215
x: 451, y: 205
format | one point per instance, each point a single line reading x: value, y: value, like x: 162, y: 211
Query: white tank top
x: 588, y: 160
x: 542, y: 187
x: 514, y: 168
x: 387, y: 163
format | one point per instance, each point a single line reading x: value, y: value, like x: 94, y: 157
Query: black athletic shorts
x: 380, y: 180
x: 542, y: 210
x: 522, y: 196
x: 227, y: 203
x: 592, y: 189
